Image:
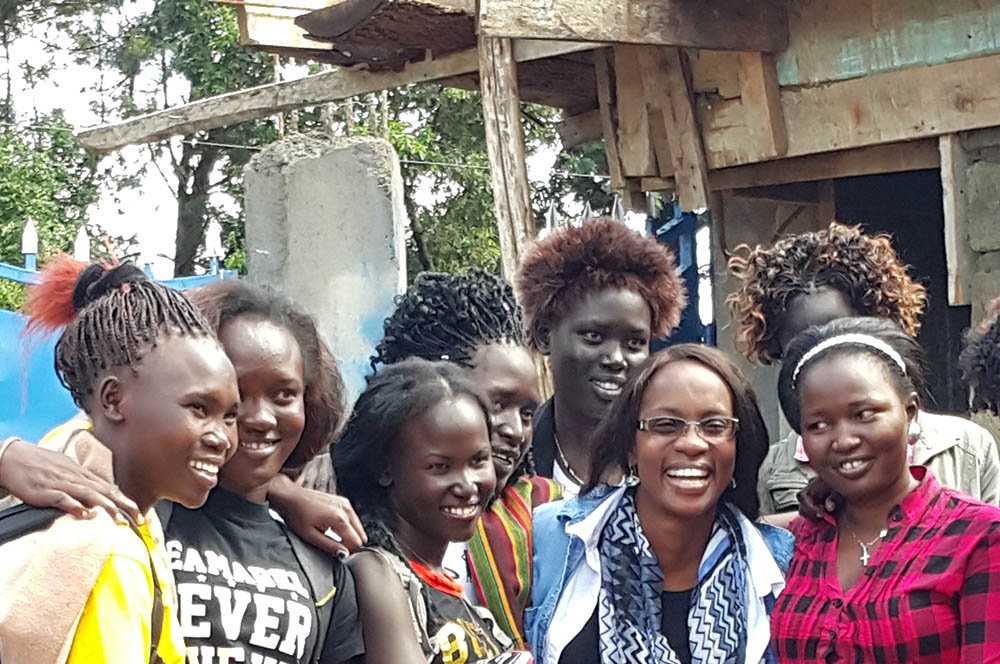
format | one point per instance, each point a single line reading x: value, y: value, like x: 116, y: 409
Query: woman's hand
x: 44, y: 478
x: 322, y: 519
x: 817, y: 499
x: 318, y: 475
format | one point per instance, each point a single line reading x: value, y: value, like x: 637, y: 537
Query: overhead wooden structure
x: 693, y: 97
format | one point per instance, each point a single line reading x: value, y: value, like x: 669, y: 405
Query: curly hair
x: 980, y: 361
x: 865, y: 268
x: 225, y: 301
x: 448, y: 316
x: 559, y: 270
x: 616, y: 437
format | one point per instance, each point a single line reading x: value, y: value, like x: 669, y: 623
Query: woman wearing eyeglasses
x: 667, y: 565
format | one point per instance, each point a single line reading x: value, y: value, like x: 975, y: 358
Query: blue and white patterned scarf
x: 629, y: 601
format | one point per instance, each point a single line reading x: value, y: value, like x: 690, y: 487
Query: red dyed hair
x: 50, y: 302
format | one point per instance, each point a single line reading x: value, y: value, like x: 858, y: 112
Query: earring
x: 385, y: 481
x: 732, y: 483
x: 913, y: 431
x: 632, y: 479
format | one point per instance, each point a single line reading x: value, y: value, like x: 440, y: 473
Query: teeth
x: 688, y: 472
x: 610, y: 387
x: 851, y: 464
x: 205, y: 467
x: 462, y: 511
x: 259, y: 446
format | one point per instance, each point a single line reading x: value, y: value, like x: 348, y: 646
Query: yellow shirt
x: 114, y: 626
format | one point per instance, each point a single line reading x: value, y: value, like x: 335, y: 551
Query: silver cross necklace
x: 865, y: 546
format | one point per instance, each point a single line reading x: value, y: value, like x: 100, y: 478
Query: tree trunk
x: 193, y: 172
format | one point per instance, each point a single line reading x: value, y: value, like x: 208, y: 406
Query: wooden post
x: 505, y: 149
x: 960, y: 257
x: 762, y: 104
x: 635, y: 149
x: 604, y: 73
x: 667, y: 82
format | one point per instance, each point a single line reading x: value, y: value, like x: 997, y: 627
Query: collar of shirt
x: 912, y: 506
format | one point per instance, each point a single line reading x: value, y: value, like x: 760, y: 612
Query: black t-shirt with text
x: 243, y: 596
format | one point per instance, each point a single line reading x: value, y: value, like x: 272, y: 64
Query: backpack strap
x: 156, y: 617
x: 418, y: 603
x: 318, y: 567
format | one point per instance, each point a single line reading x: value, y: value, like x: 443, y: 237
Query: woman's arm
x: 386, y: 620
x: 45, y: 478
x: 310, y: 514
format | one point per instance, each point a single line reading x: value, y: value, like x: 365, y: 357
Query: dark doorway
x: 908, y: 207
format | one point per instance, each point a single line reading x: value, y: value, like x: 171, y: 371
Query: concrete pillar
x: 325, y: 224
x: 982, y: 194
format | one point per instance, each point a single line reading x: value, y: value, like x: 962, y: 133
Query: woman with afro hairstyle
x: 473, y: 320
x: 811, y: 279
x: 593, y: 298
x: 980, y: 361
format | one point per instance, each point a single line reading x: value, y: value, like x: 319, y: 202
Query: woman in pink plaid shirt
x: 905, y: 570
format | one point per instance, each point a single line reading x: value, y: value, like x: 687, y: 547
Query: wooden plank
x: 505, y: 149
x: 892, y: 158
x: 895, y: 106
x: 235, y: 107
x: 666, y: 80
x: 762, y: 104
x: 960, y: 257
x: 604, y: 72
x: 578, y: 129
x: 635, y: 149
x: 740, y: 25
x: 270, y: 24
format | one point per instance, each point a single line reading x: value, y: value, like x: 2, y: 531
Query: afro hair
x: 865, y: 268
x: 559, y: 270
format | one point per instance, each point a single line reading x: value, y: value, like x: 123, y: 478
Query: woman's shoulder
x: 780, y: 543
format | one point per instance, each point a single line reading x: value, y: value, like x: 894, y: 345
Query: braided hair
x: 449, y: 317
x: 110, y: 315
x: 864, y: 268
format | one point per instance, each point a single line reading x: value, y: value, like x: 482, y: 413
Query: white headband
x: 851, y: 338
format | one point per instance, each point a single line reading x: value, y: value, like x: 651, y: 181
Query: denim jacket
x: 566, y: 561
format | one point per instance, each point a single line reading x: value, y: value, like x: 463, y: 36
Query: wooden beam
x: 669, y: 91
x: 892, y: 158
x: 269, y: 24
x: 635, y: 148
x: 505, y: 149
x: 235, y: 107
x: 762, y: 104
x: 889, y: 107
x: 604, y: 73
x: 738, y: 25
x: 959, y: 256
x: 578, y: 129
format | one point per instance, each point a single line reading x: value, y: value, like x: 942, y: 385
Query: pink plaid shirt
x: 930, y: 593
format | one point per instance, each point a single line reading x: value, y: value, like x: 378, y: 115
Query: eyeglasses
x: 716, y: 429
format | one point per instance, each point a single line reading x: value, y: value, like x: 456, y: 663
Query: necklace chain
x: 576, y: 479
x: 865, y: 555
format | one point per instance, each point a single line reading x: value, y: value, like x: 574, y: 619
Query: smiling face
x: 505, y: 372
x: 594, y: 347
x: 820, y: 306
x: 684, y: 476
x: 442, y: 474
x: 268, y: 365
x: 854, y: 426
x: 179, y: 412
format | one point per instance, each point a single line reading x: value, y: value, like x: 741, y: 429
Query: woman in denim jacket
x: 667, y: 566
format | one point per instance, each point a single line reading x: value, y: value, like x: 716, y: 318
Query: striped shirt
x: 930, y: 593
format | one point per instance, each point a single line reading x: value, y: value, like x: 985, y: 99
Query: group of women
x: 620, y: 521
